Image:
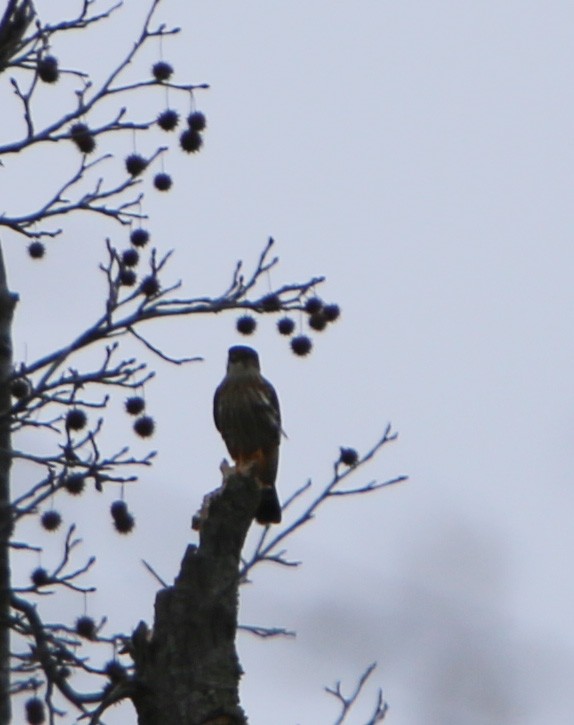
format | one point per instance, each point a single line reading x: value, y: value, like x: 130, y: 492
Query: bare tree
x: 185, y: 668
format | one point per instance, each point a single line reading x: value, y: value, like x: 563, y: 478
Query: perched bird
x: 246, y: 413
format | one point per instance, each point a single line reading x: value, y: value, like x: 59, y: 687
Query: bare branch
x: 48, y: 661
x: 347, y: 703
x: 266, y: 632
x: 108, y: 326
x: 162, y: 355
x: 92, y: 201
x: 266, y: 549
x: 88, y: 97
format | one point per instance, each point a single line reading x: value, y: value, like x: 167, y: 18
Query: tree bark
x: 7, y: 305
x: 187, y: 670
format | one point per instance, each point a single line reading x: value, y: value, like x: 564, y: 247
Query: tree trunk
x: 7, y: 304
x: 187, y: 670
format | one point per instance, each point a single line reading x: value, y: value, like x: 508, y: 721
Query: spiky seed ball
x: 124, y: 524
x: 76, y: 419
x: 162, y: 71
x: 123, y: 520
x: 118, y: 508
x: 64, y: 673
x: 144, y: 426
x: 349, y: 456
x: 331, y: 312
x: 86, y: 627
x: 127, y: 277
x: 20, y: 388
x: 317, y: 321
x: 197, y: 121
x: 190, y: 140
x: 77, y: 130
x: 39, y: 577
x: 36, y: 250
x: 301, y: 345
x: 51, y: 520
x: 313, y: 304
x: 115, y: 670
x: 130, y: 257
x: 150, y: 285
x: 162, y: 182
x: 135, y: 164
x: 48, y: 69
x: 83, y: 138
x: 35, y: 712
x: 246, y: 324
x: 135, y: 405
x: 271, y: 303
x: 74, y: 484
x: 168, y: 119
x: 139, y: 237
x: 285, y: 326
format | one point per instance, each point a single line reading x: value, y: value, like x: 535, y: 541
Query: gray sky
x: 419, y: 155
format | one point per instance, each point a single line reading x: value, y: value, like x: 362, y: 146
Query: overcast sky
x: 419, y: 154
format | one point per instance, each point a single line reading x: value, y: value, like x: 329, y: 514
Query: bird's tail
x: 269, y: 510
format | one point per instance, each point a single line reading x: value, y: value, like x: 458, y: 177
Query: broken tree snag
x: 188, y: 672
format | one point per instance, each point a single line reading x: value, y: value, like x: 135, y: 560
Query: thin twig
x: 154, y: 573
x: 347, y: 703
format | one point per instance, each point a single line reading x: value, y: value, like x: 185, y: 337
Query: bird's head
x: 242, y: 359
